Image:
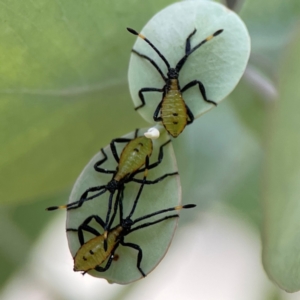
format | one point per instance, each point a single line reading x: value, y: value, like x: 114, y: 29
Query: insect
x: 174, y: 113
x: 92, y: 253
x: 134, y: 156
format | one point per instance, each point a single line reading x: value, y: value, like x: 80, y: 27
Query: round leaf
x: 218, y: 64
x: 153, y: 240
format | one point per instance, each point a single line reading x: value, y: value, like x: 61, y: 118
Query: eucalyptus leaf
x: 218, y: 64
x: 153, y: 240
x: 281, y: 232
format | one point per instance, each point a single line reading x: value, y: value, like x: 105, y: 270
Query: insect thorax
x: 113, y: 185
x: 126, y: 224
x: 172, y: 73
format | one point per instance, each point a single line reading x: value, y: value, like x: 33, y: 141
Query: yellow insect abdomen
x: 133, y: 156
x: 92, y: 254
x: 173, y: 110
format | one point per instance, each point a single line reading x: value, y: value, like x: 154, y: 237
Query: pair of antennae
x: 188, y: 50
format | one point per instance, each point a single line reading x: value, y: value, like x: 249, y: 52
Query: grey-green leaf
x: 153, y: 240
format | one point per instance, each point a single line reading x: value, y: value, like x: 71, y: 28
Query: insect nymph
x: 174, y: 113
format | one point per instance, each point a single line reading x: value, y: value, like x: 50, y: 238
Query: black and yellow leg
x: 159, y: 158
x: 147, y: 167
x: 103, y: 269
x: 201, y: 88
x: 136, y: 133
x: 113, y: 146
x: 109, y: 221
x: 190, y: 116
x: 156, y: 118
x: 100, y: 162
x: 155, y: 180
x: 85, y: 227
x: 144, y: 90
x: 110, y: 201
x: 139, y: 257
x: 118, y: 202
x: 142, y: 181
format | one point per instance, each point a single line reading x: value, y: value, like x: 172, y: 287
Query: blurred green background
x: 64, y: 94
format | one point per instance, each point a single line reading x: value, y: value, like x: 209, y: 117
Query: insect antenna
x: 77, y: 203
x: 95, y: 195
x: 153, y: 47
x: 152, y: 62
x: 160, y: 212
x: 189, y: 52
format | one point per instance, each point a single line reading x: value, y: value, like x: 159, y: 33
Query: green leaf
x: 63, y: 89
x: 153, y: 240
x: 218, y: 64
x: 281, y: 234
